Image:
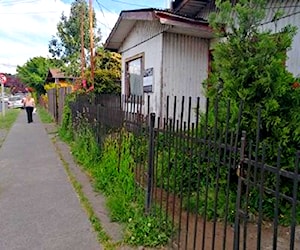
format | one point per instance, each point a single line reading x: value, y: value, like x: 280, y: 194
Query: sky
x: 27, y: 26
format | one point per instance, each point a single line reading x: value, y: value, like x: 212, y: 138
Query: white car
x: 15, y: 102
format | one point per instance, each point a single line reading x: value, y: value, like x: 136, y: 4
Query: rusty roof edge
x: 180, y: 17
x: 151, y: 14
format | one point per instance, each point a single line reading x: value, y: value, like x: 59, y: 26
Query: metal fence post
x: 238, y: 211
x: 150, y: 164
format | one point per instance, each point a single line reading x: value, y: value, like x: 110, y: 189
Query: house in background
x: 167, y: 52
x: 58, y: 77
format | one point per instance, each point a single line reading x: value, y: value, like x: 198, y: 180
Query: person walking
x: 29, y: 105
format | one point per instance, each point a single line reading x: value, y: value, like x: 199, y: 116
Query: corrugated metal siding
x: 205, y: 12
x: 185, y: 65
x: 288, y: 7
x: 142, y: 32
x: 291, y: 16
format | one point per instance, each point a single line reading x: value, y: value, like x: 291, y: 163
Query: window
x: 134, y: 77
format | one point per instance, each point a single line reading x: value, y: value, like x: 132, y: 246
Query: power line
x: 104, y: 7
x: 271, y: 21
x: 132, y: 4
x: 100, y: 7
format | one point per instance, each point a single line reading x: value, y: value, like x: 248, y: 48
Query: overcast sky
x: 27, y: 26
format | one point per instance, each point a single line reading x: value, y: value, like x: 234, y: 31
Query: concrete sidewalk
x: 39, y: 209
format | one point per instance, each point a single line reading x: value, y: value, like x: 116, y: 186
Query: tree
x: 66, y: 45
x: 107, y: 72
x: 33, y: 73
x: 249, y: 65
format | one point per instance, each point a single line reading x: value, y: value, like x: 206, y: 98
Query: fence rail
x: 218, y: 186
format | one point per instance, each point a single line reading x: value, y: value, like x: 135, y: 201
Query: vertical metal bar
x: 135, y: 113
x: 238, y: 127
x: 167, y: 108
x: 205, y: 152
x: 191, y: 147
x: 228, y: 172
x: 257, y: 143
x: 169, y: 128
x: 148, y: 105
x: 276, y: 205
x: 217, y: 165
x: 150, y: 163
x: 181, y: 180
x: 189, y: 113
x: 197, y: 142
x: 174, y: 111
x: 294, y: 203
x: 238, y: 199
x: 156, y: 161
x: 261, y: 194
x: 245, y: 230
x: 176, y: 143
x: 182, y: 112
x: 181, y: 132
x: 162, y: 166
x: 197, y: 115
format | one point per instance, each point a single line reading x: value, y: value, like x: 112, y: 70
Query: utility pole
x: 92, y: 41
x: 82, y: 44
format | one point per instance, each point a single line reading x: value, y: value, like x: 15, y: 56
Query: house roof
x: 54, y: 73
x: 189, y: 7
x: 179, y: 24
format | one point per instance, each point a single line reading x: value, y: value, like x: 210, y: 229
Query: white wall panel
x: 185, y: 66
x: 145, y: 38
x: 291, y: 16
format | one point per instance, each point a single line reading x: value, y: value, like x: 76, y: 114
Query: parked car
x: 5, y: 98
x: 15, y: 102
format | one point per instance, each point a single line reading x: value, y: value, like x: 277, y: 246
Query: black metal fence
x: 217, y: 185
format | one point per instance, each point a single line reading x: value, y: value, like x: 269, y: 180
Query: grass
x: 9, y: 118
x: 44, y: 115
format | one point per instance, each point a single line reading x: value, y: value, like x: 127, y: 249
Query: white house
x: 163, y: 54
x: 167, y: 52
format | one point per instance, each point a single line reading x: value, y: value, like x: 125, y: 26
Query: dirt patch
x: 197, y: 233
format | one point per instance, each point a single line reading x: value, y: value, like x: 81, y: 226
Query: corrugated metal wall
x: 291, y: 16
x: 180, y: 64
x: 185, y: 67
x: 142, y: 32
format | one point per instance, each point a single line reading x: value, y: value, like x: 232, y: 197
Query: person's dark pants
x: 29, y: 111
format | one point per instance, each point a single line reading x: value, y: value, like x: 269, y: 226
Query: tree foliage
x: 249, y: 65
x: 33, y: 73
x: 107, y: 72
x: 66, y: 45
